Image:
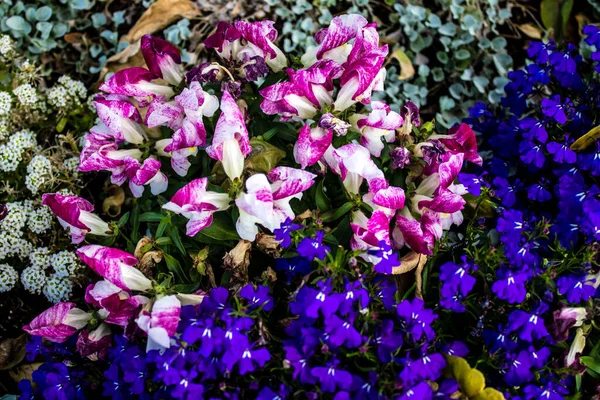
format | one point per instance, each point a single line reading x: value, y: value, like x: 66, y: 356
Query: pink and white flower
x: 75, y: 214
x: 197, y: 204
x: 329, y: 121
x: 226, y: 41
x: 116, y: 266
x: 420, y: 234
x: 162, y: 58
x: 120, y: 117
x: 382, y: 122
x: 311, y: 145
x: 260, y: 36
x: 306, y: 92
x: 161, y: 322
x: 268, y: 204
x: 137, y: 83
x: 147, y: 173
x: 94, y: 344
x: 116, y: 306
x: 230, y: 143
x: 353, y: 163
x: 461, y: 139
x: 333, y: 41
x: 363, y: 72
x: 58, y: 322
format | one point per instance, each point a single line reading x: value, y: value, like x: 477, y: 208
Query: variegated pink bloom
x: 368, y: 232
x: 230, y: 143
x: 116, y: 266
x: 353, y: 163
x: 329, y: 121
x: 410, y: 116
x: 461, y: 139
x: 161, y: 323
x: 260, y: 36
x: 382, y: 122
x: 120, y: 117
x: 226, y: 41
x: 58, y: 322
x: 136, y: 82
x: 75, y: 214
x: 94, y: 344
x: 420, y: 234
x: 334, y: 40
x: 116, y: 306
x: 269, y: 204
x: 363, y: 72
x: 147, y: 173
x: 179, y: 158
x: 162, y: 58
x: 311, y: 145
x: 306, y: 92
x: 197, y: 204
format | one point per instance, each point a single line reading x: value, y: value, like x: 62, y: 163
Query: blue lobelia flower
x: 283, y: 232
x: 310, y: 248
x: 528, y: 326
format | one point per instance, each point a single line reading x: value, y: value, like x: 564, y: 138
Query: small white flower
x: 8, y: 278
x: 58, y: 289
x: 65, y: 263
x: 40, y: 220
x: 26, y: 94
x: 33, y: 279
x: 5, y: 103
x: 6, y: 45
x: 40, y: 257
x: 15, y: 220
x: 38, y: 173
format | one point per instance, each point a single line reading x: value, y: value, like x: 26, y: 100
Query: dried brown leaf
x: 531, y: 31
x: 112, y: 204
x: 12, y: 351
x: 23, y: 371
x: 409, y: 262
x: 407, y: 70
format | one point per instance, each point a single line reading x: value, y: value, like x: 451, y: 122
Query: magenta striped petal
x: 449, y: 169
x: 161, y: 58
x: 57, y: 323
x: 230, y: 125
x: 311, y: 145
x: 189, y: 135
x: 116, y: 266
x: 67, y: 208
x: 126, y: 82
x: 340, y: 31
x: 261, y: 34
x: 121, y: 118
x: 464, y: 141
x: 161, y: 113
x: 391, y: 197
x: 225, y: 33
x: 444, y: 202
x: 288, y: 182
x: 161, y: 323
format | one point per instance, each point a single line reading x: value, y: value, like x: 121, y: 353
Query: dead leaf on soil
x: 531, y: 31
x: 407, y: 70
x: 12, y: 351
x: 23, y: 371
x: 409, y: 262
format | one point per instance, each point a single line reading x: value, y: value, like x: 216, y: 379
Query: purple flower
x: 510, y: 224
x: 472, y: 182
x: 534, y: 129
x: 456, y: 348
x: 506, y: 191
x: 342, y: 332
x: 322, y: 299
x: 354, y: 293
x: 529, y: 326
x: 299, y: 362
x: 499, y: 339
x: 332, y: 378
x: 577, y: 287
x: 418, y: 318
x: 283, y: 232
x: 457, y: 276
x: 246, y: 357
x: 400, y: 157
x: 510, y: 286
x: 428, y: 367
x: 388, y: 259
x: 452, y: 297
x: 293, y: 267
x: 539, y: 191
x: 310, y: 248
x: 532, y: 153
x: 186, y: 388
x: 562, y: 152
x: 518, y: 369
x: 258, y: 297
x: 388, y: 341
x: 555, y: 108
x: 421, y: 391
x: 540, y: 52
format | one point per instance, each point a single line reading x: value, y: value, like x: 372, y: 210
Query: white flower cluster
x: 38, y: 173
x: 6, y: 46
x: 67, y: 92
x: 40, y: 220
x: 56, y: 285
x: 8, y: 277
x: 11, y: 153
x: 5, y: 103
x: 72, y: 165
x: 26, y: 94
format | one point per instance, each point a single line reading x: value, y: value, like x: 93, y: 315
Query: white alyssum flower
x: 11, y: 153
x: 8, y: 278
x: 40, y: 257
x: 5, y: 103
x: 3, y: 127
x: 57, y: 289
x: 65, y: 263
x: 40, y: 220
x: 6, y: 45
x: 26, y: 94
x: 38, y: 173
x: 72, y: 165
x: 33, y: 279
x: 66, y: 93
x: 15, y: 219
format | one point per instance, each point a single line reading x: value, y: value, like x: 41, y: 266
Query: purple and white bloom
x: 136, y: 82
x: 363, y: 72
x: 230, y: 143
x: 120, y: 117
x: 59, y: 322
x: 382, y: 122
x: 565, y: 319
x: 161, y: 323
x: 116, y: 266
x: 162, y: 58
x: 329, y: 121
x: 260, y: 36
x: 226, y: 41
x: 410, y: 117
x: 75, y: 214
x: 94, y: 344
x: 419, y: 234
x: 268, y: 204
x: 333, y: 41
x: 311, y: 145
x: 576, y: 348
x: 179, y: 158
x: 147, y: 173
x: 353, y: 163
x: 101, y: 154
x: 115, y: 305
x: 306, y: 92
x: 369, y: 232
x: 197, y: 204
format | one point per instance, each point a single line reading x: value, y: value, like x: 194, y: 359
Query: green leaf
x: 175, y: 267
x: 43, y: 14
x: 186, y: 288
x: 61, y: 124
x: 174, y: 234
x: 221, y: 229
x: 549, y: 10
x: 340, y: 212
x: 164, y: 223
x: 135, y: 223
x: 565, y: 13
x: 323, y: 202
x: 151, y: 217
x: 123, y: 220
x: 18, y: 23
x: 591, y: 363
